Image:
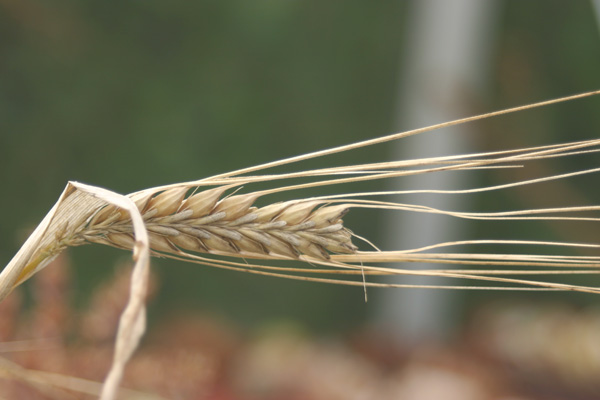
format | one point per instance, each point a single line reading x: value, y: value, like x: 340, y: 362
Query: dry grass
x: 185, y: 220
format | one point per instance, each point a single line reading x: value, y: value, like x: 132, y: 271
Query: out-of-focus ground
x: 505, y: 351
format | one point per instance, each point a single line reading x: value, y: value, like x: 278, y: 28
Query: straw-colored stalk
x: 193, y: 221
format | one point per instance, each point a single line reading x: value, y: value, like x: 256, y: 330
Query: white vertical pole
x: 596, y: 6
x: 445, y: 66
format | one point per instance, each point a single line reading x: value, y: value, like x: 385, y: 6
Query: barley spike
x: 206, y: 222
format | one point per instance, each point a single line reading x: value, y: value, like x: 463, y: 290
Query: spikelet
x: 165, y: 203
x: 204, y: 202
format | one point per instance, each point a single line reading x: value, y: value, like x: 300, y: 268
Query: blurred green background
x: 133, y: 94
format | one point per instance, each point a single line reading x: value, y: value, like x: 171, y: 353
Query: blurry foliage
x: 90, y: 91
